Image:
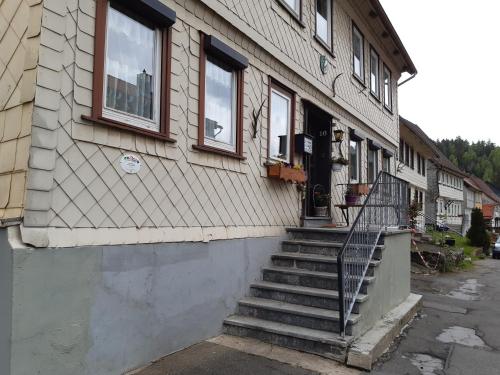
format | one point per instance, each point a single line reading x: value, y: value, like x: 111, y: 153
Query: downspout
x: 408, y: 79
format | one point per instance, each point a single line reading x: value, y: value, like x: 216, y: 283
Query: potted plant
x: 321, y: 203
x: 351, y: 196
x: 338, y: 163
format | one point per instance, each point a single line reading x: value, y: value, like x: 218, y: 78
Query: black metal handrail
x: 385, y: 205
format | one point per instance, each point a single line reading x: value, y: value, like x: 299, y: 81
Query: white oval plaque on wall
x: 130, y: 163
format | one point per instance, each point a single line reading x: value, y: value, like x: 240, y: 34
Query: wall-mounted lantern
x: 339, y: 135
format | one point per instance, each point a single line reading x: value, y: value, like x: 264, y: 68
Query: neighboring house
x: 135, y: 183
x: 447, y: 191
x: 443, y: 203
x: 414, y: 153
x: 491, y: 203
x: 472, y: 199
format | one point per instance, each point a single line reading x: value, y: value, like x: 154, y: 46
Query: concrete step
x: 326, y: 344
x: 297, y: 315
x: 323, y: 234
x: 326, y: 248
x: 312, y: 279
x: 299, y: 295
x: 313, y: 262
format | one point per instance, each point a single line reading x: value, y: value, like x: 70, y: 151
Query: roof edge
x: 411, y: 68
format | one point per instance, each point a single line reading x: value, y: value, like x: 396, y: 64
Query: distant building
x: 472, y: 199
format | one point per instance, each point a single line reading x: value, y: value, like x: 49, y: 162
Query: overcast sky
x: 455, y: 46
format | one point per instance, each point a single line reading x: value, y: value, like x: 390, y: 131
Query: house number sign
x: 308, y: 145
x: 130, y: 163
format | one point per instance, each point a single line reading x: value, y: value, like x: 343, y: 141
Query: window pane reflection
x: 130, y: 69
x: 220, y: 104
x: 280, y: 125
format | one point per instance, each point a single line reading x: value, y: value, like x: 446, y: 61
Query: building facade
x: 137, y: 142
x: 414, y: 156
x: 472, y: 199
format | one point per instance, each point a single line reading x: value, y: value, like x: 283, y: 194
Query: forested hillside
x: 480, y: 158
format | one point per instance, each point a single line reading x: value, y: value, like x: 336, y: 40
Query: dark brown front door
x: 318, y: 124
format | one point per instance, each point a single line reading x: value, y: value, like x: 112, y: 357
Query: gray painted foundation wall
x: 105, y: 310
x: 5, y: 302
x: 392, y: 285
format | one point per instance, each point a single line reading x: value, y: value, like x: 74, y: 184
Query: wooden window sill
x: 129, y: 128
x: 325, y: 46
x: 218, y: 151
x: 295, y: 16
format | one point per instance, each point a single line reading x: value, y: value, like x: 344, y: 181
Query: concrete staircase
x: 296, y: 305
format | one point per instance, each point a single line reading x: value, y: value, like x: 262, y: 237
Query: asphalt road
x: 458, y: 330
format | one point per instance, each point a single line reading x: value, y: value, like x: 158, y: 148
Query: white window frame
x: 358, y: 163
x: 234, y: 109
x: 387, y: 75
x: 357, y: 33
x: 329, y: 23
x: 128, y: 118
x: 294, y: 9
x: 374, y: 74
x: 289, y: 97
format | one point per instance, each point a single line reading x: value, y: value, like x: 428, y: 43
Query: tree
x: 479, y: 158
x: 477, y: 233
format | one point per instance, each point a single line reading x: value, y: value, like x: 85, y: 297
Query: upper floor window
x: 281, y: 122
x: 387, y: 88
x: 294, y: 6
x: 132, y: 66
x: 324, y: 21
x: 374, y: 73
x: 221, y: 97
x: 358, y: 57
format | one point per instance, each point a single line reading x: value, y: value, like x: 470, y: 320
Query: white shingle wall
x: 76, y: 180
x: 19, y: 39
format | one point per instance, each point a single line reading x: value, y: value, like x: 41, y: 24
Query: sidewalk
x: 227, y: 355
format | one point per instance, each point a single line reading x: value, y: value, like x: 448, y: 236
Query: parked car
x: 496, y: 249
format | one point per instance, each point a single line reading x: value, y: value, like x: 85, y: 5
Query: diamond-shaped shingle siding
x: 178, y: 186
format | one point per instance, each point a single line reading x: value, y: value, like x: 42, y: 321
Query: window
x: 358, y: 53
x: 221, y: 98
x: 412, y: 158
x: 132, y: 67
x: 423, y: 166
x: 324, y: 21
x: 401, y: 150
x: 374, y: 73
x: 354, y: 161
x: 294, y: 6
x: 281, y: 122
x: 372, y: 165
x: 386, y: 164
x: 220, y: 105
x: 387, y: 88
x: 407, y: 154
x: 419, y: 165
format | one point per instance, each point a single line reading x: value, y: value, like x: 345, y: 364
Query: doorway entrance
x: 318, y: 124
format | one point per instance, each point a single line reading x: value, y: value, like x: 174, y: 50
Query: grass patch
x: 470, y: 252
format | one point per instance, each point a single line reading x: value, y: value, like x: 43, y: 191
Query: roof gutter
x: 408, y: 79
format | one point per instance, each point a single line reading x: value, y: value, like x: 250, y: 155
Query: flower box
x: 360, y: 189
x: 285, y: 173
